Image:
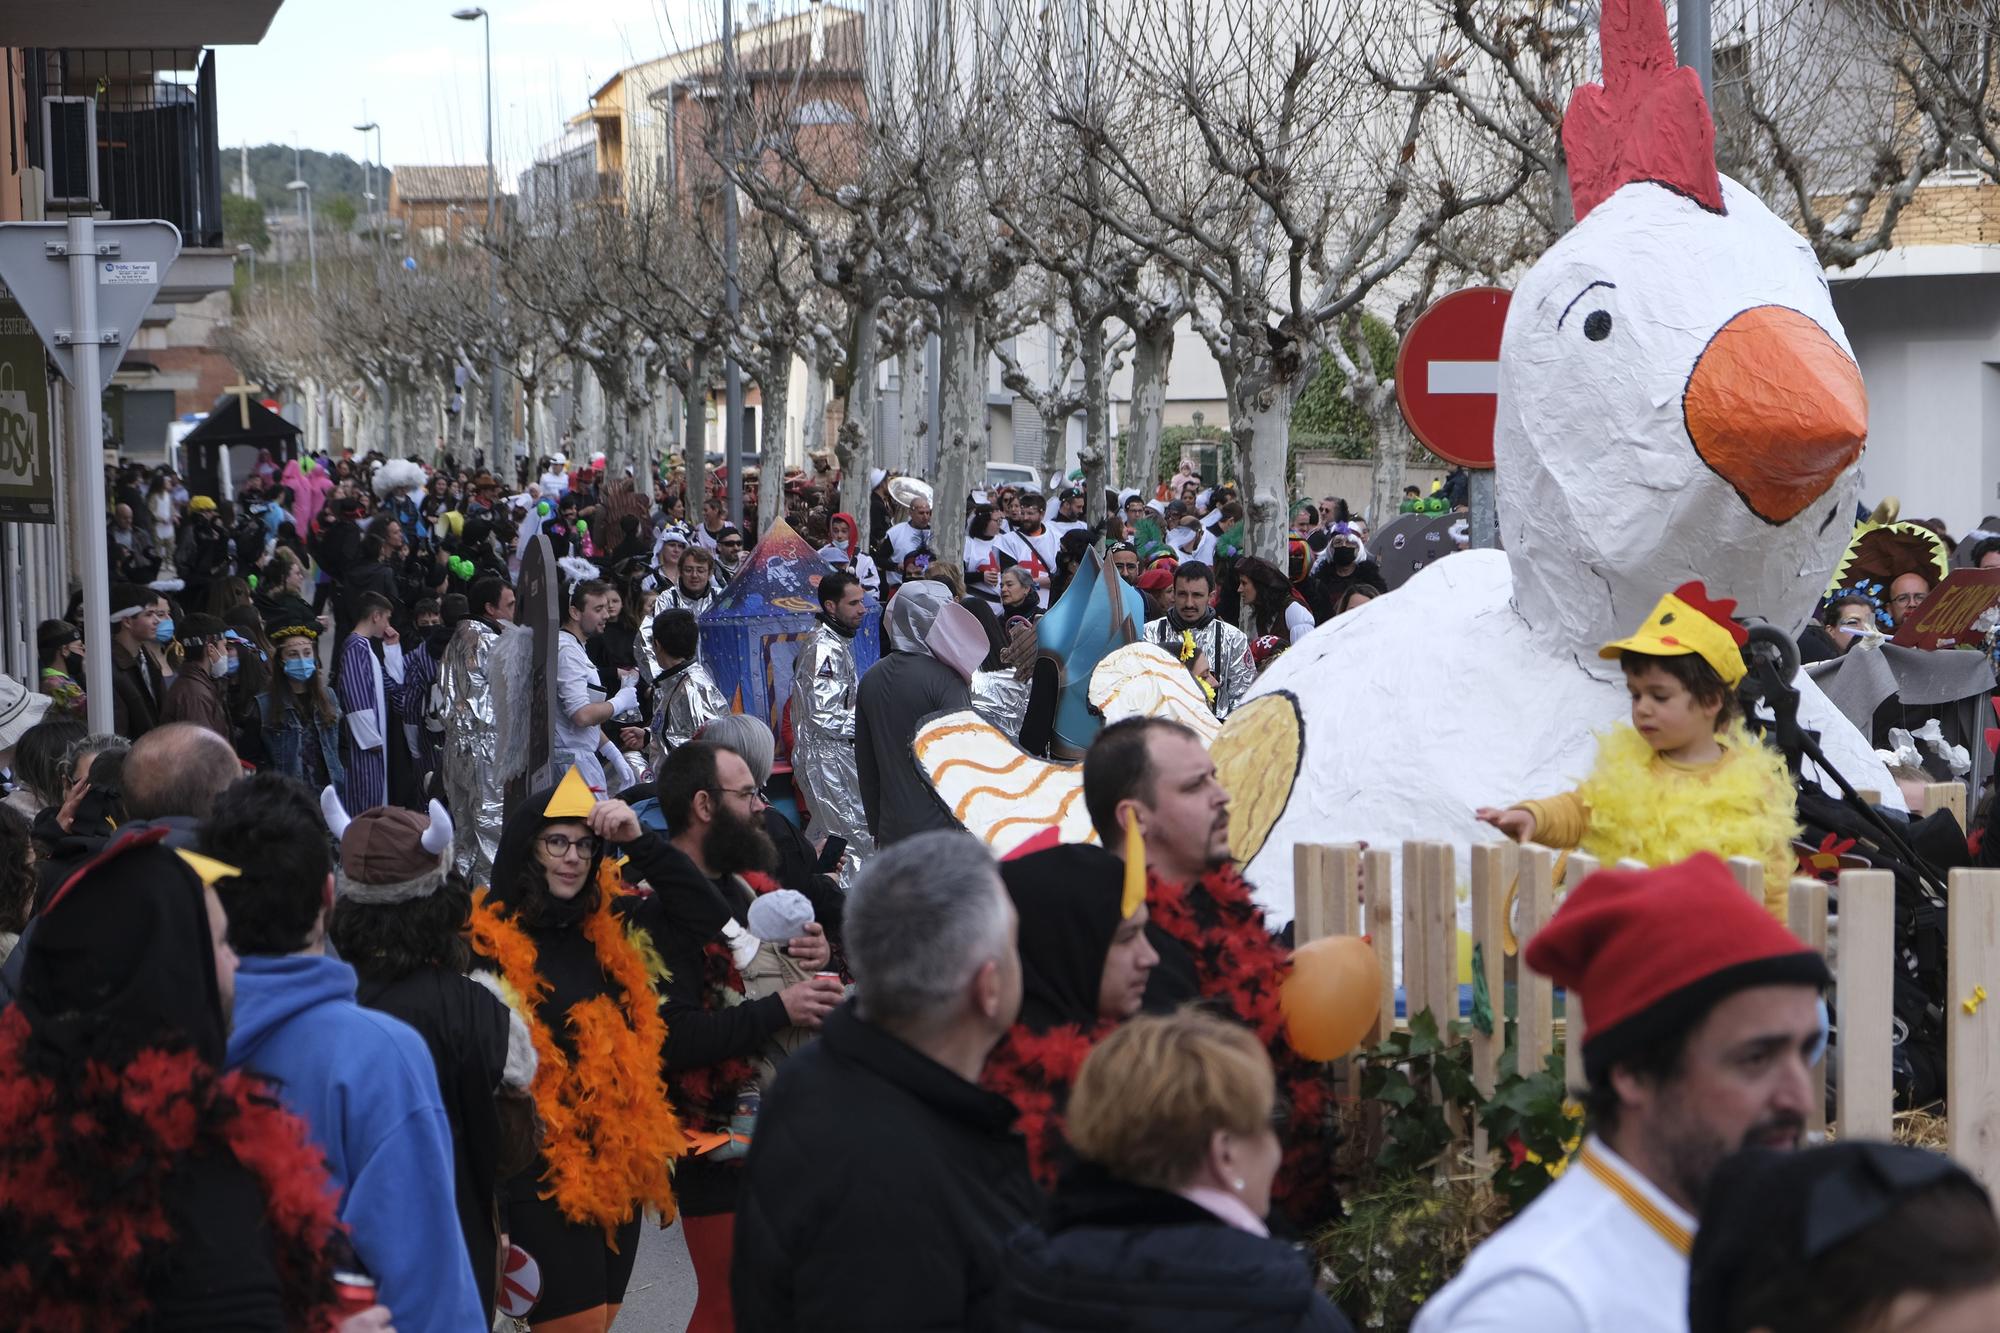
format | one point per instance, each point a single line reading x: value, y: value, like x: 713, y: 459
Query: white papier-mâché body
x: 1652, y: 324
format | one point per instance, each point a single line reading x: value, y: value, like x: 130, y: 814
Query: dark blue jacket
x: 1123, y: 1256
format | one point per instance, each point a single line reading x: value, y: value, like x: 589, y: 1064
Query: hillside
x: 272, y: 167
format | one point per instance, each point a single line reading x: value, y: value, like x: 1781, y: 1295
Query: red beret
x: 1650, y: 952
x: 1157, y: 579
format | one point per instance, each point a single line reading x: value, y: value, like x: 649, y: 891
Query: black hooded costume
x: 138, y: 1185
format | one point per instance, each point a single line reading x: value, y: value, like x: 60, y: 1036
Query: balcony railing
x: 157, y: 153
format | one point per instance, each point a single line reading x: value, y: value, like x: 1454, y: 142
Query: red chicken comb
x: 1722, y: 610
x: 1647, y: 121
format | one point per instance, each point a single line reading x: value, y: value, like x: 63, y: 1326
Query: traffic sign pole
x: 113, y: 273
x: 86, y: 464
x: 1448, y: 383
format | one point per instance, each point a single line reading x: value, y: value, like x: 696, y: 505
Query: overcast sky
x: 420, y: 73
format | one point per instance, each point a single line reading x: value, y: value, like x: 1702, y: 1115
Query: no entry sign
x: 1448, y: 375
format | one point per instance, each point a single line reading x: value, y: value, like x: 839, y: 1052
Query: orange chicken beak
x: 1777, y: 409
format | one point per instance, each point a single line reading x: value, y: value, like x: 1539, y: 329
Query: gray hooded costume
x: 934, y: 645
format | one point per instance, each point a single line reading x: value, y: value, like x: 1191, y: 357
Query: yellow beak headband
x: 1135, y: 867
x: 1688, y: 620
x: 573, y: 798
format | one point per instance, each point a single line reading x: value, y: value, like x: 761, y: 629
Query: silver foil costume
x: 823, y: 764
x: 472, y: 786
x: 1228, y: 650
x: 682, y: 701
x: 671, y: 599
x: 1001, y: 697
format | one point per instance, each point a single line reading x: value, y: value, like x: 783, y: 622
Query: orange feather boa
x: 610, y: 1132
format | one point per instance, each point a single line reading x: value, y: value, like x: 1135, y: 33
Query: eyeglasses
x: 1907, y: 598
x: 750, y: 794
x: 559, y: 847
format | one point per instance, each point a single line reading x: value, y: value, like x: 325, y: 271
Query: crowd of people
x: 308, y: 1024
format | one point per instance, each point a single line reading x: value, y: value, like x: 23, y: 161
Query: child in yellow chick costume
x: 1684, y: 776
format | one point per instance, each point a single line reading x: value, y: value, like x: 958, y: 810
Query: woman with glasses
x: 562, y: 929
x: 1161, y: 1224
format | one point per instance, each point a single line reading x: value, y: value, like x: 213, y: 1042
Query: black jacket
x: 1123, y: 1256
x: 691, y: 909
x: 465, y: 1027
x: 895, y: 696
x: 880, y: 1192
x: 138, y: 691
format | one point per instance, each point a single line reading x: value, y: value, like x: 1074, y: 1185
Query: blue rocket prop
x: 751, y: 637
x: 1097, y: 614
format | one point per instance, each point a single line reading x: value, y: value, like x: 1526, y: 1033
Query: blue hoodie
x: 365, y: 1085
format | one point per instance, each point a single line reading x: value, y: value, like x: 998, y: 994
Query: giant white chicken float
x: 1677, y: 401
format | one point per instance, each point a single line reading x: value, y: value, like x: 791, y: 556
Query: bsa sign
x: 27, y: 475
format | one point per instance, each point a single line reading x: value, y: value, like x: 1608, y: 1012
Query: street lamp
x: 312, y: 250
x: 496, y: 398
x: 367, y: 176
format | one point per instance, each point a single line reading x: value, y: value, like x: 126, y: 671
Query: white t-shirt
x: 1038, y: 552
x: 577, y: 687
x: 904, y: 538
x: 1298, y: 622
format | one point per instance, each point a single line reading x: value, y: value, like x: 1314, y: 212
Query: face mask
x: 220, y: 668
x: 230, y: 666
x: 300, y: 668
x: 165, y: 633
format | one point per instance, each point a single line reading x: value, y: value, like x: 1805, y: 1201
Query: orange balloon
x: 1332, y: 996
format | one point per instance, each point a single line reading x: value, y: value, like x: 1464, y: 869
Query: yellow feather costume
x: 1640, y: 805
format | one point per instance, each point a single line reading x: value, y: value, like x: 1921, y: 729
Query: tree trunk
x: 914, y: 394
x: 813, y: 433
x: 1152, y: 354
x: 1392, y: 447
x: 694, y: 441
x: 1261, y: 428
x: 854, y: 449
x: 775, y: 389
x: 531, y: 413
x: 1055, y: 443
x: 962, y: 447
x: 1096, y: 420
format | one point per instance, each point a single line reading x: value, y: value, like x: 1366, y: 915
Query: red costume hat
x: 1650, y: 952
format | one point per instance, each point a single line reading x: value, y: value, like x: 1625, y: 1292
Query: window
x: 1730, y: 78
x: 822, y: 112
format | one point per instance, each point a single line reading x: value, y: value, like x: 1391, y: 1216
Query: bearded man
x: 1216, y: 651
x: 714, y: 809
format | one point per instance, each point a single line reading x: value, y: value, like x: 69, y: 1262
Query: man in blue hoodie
x: 363, y: 1082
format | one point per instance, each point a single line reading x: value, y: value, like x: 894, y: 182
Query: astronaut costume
x: 823, y: 763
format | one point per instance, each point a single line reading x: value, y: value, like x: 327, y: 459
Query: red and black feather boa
x: 1035, y: 1071
x: 1239, y: 968
x: 1239, y: 963
x: 87, y: 1164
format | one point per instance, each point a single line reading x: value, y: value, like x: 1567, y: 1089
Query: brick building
x: 442, y: 205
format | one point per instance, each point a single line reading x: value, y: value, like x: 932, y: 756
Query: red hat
x: 1157, y: 579
x: 1650, y: 952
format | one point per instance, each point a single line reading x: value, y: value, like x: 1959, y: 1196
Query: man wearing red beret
x: 1703, y: 1022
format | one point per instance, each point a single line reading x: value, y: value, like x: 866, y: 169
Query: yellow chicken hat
x: 1687, y: 620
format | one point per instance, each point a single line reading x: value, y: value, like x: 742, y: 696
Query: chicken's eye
x: 1597, y: 325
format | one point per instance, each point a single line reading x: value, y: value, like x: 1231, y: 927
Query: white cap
x: 875, y: 476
